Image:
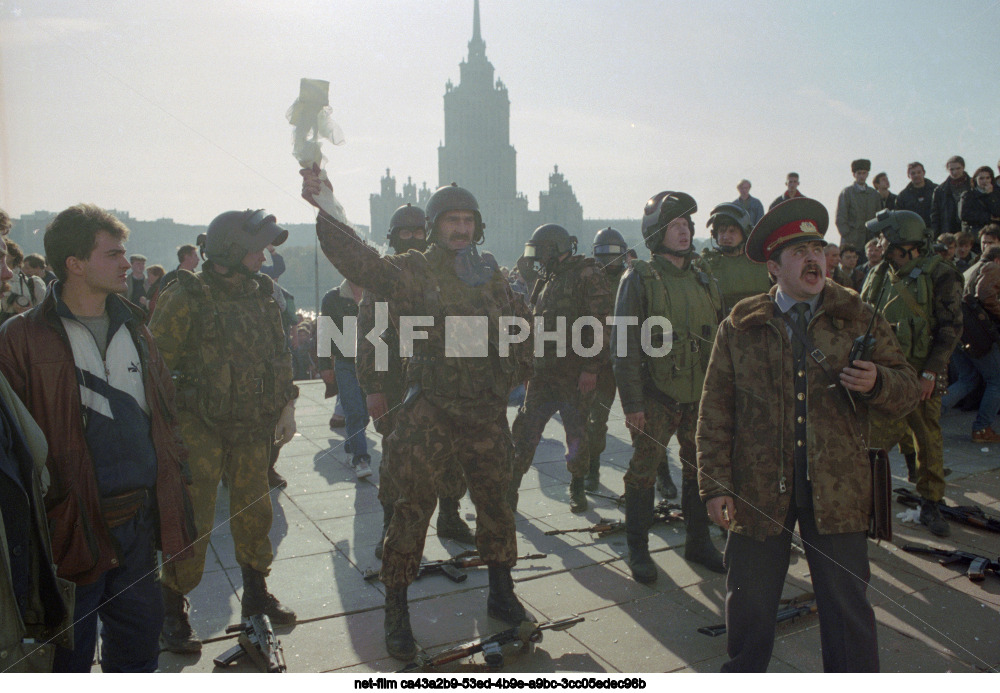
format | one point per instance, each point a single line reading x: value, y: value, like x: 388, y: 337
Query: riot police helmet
x: 660, y: 210
x: 609, y: 247
x: 548, y: 243
x: 233, y: 235
x: 451, y: 198
x: 409, y: 221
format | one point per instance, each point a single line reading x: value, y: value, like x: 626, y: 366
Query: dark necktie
x: 798, y: 312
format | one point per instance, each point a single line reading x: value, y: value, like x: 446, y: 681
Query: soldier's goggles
x: 614, y: 249
x: 407, y: 232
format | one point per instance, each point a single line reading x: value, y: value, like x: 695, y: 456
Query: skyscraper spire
x: 477, y: 47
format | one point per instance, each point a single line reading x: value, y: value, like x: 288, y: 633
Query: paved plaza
x: 931, y: 618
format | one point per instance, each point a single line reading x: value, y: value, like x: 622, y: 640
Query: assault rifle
x: 490, y: 646
x: 256, y: 639
x: 453, y: 568
x: 663, y: 512
x: 967, y: 514
x: 978, y: 565
x: 864, y: 345
x: 801, y: 605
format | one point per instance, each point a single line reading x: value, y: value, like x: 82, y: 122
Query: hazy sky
x: 177, y: 109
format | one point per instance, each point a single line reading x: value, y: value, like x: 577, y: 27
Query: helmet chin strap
x: 664, y: 250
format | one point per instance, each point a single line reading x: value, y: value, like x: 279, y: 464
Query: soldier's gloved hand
x: 377, y: 406
x: 587, y: 382
x: 285, y: 429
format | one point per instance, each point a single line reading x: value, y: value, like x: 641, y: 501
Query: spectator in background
x: 277, y: 266
x: 833, y: 271
x: 873, y: 253
x: 945, y: 246
x: 24, y: 291
x: 881, y: 185
x: 187, y: 259
x: 857, y: 204
x: 137, y: 280
x: 916, y: 196
x: 853, y: 274
x: 791, y: 190
x: 34, y: 265
x: 964, y: 255
x: 753, y: 206
x: 154, y: 275
x: 944, y: 200
x: 980, y: 205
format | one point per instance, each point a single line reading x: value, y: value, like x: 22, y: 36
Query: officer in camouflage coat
x: 780, y: 442
x: 609, y: 252
x: 923, y: 303
x: 674, y: 304
x: 407, y: 230
x: 220, y: 332
x: 455, y: 405
x: 570, y: 287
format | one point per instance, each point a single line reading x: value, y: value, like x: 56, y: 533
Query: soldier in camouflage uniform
x: 570, y: 287
x: 609, y: 252
x: 659, y: 370
x: 220, y: 332
x: 738, y: 276
x: 457, y: 383
x: 922, y: 301
x: 407, y: 229
x: 782, y: 439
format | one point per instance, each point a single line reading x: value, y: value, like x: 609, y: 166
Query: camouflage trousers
x: 244, y: 466
x: 600, y: 410
x: 425, y: 438
x: 925, y: 424
x: 451, y: 485
x: 650, y: 445
x: 544, y: 397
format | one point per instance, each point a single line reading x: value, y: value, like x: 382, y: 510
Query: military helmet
x: 448, y: 198
x: 233, y: 235
x: 900, y: 227
x: 609, y: 247
x: 407, y: 216
x: 729, y: 214
x: 660, y: 210
x: 548, y: 242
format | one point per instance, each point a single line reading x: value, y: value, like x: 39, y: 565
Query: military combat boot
x: 638, y: 519
x: 699, y: 547
x: 664, y: 484
x: 386, y: 519
x: 177, y: 634
x: 592, y: 481
x: 257, y: 600
x: 398, y: 636
x: 450, y: 524
x: 930, y: 516
x: 502, y: 602
x: 577, y: 495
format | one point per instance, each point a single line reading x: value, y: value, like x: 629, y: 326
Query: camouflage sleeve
x: 356, y: 260
x: 628, y: 368
x: 947, y: 309
x: 987, y: 288
x: 898, y: 387
x: 717, y: 420
x: 523, y: 353
x: 171, y: 323
x: 595, y: 287
x: 372, y: 381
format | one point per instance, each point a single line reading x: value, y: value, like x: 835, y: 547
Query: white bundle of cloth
x: 312, y: 121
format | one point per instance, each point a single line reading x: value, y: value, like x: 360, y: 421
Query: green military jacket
x: 222, y: 338
x: 739, y: 277
x: 922, y: 302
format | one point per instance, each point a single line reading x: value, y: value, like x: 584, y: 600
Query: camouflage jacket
x: 457, y: 379
x: 739, y: 277
x: 745, y: 423
x: 577, y: 288
x: 388, y: 381
x: 222, y: 337
x: 928, y: 327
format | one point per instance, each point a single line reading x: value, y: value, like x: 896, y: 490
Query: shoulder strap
x: 816, y: 355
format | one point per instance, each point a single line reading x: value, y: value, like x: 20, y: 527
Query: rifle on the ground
x: 256, y: 639
x: 453, y: 568
x: 490, y: 646
x: 663, y: 512
x: 801, y: 605
x: 978, y: 565
x: 967, y: 514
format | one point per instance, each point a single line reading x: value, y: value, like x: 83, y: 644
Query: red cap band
x: 800, y: 228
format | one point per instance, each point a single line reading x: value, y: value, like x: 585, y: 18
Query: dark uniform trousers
x: 426, y: 436
x: 650, y: 445
x: 838, y: 564
x: 600, y: 410
x: 545, y: 396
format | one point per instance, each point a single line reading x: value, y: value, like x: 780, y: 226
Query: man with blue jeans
x: 338, y: 304
x: 982, y: 281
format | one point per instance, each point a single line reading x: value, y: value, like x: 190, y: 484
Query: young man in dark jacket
x: 90, y: 375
